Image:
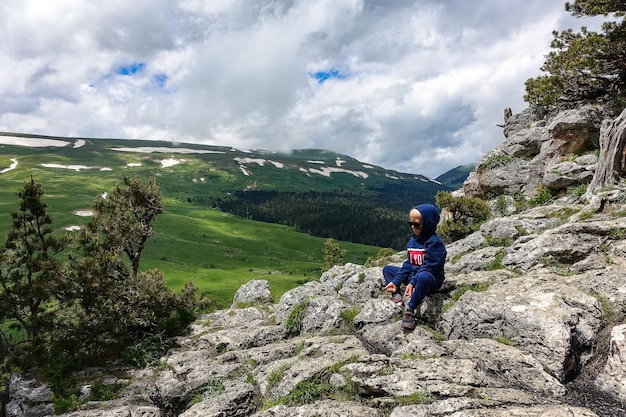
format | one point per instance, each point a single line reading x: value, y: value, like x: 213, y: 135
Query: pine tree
x: 333, y: 255
x: 585, y: 67
x: 30, y: 271
x: 125, y: 217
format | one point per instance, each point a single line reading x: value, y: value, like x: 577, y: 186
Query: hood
x: 430, y: 220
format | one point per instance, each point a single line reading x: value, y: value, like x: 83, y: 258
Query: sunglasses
x: 415, y: 224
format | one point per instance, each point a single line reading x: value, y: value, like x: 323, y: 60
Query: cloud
x: 413, y: 85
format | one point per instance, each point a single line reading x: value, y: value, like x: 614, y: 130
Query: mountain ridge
x: 177, y: 145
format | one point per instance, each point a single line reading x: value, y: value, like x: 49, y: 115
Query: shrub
x: 316, y: 388
x: 521, y: 203
x: 64, y: 405
x: 467, y: 214
x: 105, y: 392
x: 307, y: 392
x: 493, y: 162
x: 617, y: 234
x: 383, y: 255
x: 277, y: 375
x: 333, y: 255
x: 577, y: 191
x: 497, y: 241
x: 418, y: 397
x: 607, y: 308
x: 131, y: 320
x: 505, y: 340
x: 543, y: 196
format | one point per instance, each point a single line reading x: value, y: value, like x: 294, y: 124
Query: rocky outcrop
x: 555, y: 152
x: 530, y: 322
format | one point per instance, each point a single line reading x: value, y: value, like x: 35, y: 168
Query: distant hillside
x: 456, y: 176
x: 318, y: 192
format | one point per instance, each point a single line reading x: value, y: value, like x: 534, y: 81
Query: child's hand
x: 409, y: 291
x: 391, y: 287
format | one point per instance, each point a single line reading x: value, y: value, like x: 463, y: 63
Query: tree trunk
x: 612, y: 161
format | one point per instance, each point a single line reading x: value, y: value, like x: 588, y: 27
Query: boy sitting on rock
x: 423, y: 271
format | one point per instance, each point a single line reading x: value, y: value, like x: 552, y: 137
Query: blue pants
x: 426, y: 284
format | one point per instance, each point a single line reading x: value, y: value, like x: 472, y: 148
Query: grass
x: 293, y: 325
x: 218, y: 252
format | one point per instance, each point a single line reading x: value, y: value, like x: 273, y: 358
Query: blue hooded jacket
x: 432, y: 247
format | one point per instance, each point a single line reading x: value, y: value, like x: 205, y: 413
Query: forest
x: 377, y: 219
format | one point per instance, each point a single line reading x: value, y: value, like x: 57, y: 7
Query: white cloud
x: 413, y: 85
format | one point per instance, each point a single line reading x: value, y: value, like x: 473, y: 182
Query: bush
x: 466, y: 215
x: 543, y: 196
x: 64, y: 405
x: 332, y: 254
x: 131, y: 320
x: 493, y: 162
x: 383, y: 256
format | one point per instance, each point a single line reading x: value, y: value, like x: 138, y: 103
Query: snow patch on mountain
x: 32, y: 142
x: 327, y: 171
x: 170, y: 162
x: 72, y: 167
x: 162, y: 149
x: 11, y: 167
x: 258, y: 161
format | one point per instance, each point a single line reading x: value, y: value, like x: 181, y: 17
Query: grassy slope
x: 457, y: 176
x: 217, y: 251
x: 220, y: 252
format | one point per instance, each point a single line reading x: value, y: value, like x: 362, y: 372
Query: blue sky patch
x: 130, y: 69
x: 322, y: 76
x: 160, y: 79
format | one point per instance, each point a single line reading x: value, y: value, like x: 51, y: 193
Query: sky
x: 417, y: 86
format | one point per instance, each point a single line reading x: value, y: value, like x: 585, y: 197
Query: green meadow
x: 216, y: 251
x: 219, y: 252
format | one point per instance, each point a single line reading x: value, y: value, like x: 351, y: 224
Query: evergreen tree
x: 585, y: 67
x: 333, y: 255
x: 125, y: 217
x: 110, y: 306
x: 30, y: 271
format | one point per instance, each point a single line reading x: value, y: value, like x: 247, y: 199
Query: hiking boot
x: 397, y: 299
x: 408, y: 320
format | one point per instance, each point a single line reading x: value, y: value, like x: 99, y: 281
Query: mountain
x: 318, y: 192
x: 456, y: 176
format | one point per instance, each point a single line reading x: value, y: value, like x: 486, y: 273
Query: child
x: 423, y: 271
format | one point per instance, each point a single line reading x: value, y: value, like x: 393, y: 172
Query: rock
x: 535, y: 150
x: 533, y: 314
x: 254, y: 291
x: 29, y: 397
x: 613, y: 379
